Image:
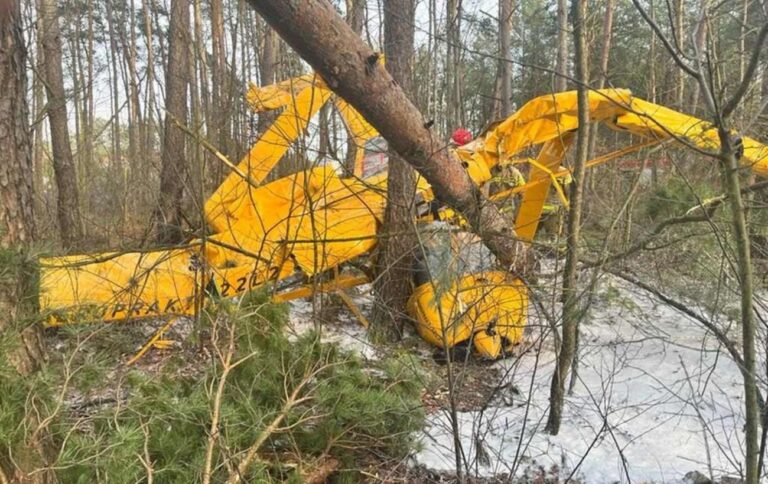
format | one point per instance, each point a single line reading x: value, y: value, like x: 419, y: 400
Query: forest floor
x: 656, y: 398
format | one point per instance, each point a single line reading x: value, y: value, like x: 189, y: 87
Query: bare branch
x: 675, y: 56
x: 729, y: 344
x: 734, y: 101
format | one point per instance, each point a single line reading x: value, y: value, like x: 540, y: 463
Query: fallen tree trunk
x: 352, y: 69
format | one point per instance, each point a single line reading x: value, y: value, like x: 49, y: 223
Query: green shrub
x: 675, y: 197
x: 353, y: 409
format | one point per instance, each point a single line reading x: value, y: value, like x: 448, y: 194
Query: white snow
x: 347, y: 332
x: 634, y: 414
x: 657, y: 397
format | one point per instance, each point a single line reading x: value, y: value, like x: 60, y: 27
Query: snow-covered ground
x: 656, y: 398
x: 346, y: 331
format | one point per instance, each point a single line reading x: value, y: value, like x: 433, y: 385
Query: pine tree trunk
x: 68, y: 209
x: 81, y: 169
x: 355, y: 19
x: 38, y: 150
x: 17, y: 231
x: 167, y: 216
x: 219, y: 61
x: 700, y: 43
x: 202, y: 59
x: 453, y: 65
x: 117, y: 150
x: 571, y: 311
x: 356, y: 15
x: 506, y: 12
x: 680, y: 39
x: 147, y: 141
x: 602, y: 76
x: 134, y: 104
x: 267, y: 66
x: 220, y: 115
x: 88, y: 101
x: 561, y: 66
x: 653, y: 87
x: 197, y: 157
x: 397, y: 237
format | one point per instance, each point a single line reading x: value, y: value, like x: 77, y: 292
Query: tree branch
x: 654, y: 26
x: 754, y: 60
x: 353, y: 70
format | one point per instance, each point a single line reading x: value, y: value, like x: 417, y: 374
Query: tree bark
x: 17, y: 203
x: 680, y: 41
x: 117, y: 150
x: 602, y: 76
x: 397, y: 238
x: 221, y: 115
x: 17, y: 232
x: 561, y: 66
x: 79, y: 112
x: 700, y: 43
x: 149, y: 135
x: 571, y: 311
x: 90, y: 121
x: 453, y: 65
x: 134, y: 104
x: 202, y: 64
x: 352, y: 70
x: 38, y: 88
x: 652, y: 86
x: 267, y: 64
x: 506, y: 12
x: 355, y: 19
x: 68, y: 209
x: 167, y: 216
x: 730, y: 167
x: 356, y: 15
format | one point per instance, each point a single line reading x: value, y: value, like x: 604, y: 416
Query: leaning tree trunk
x: 23, y: 461
x: 397, y: 238
x: 167, y: 216
x: 571, y: 312
x: 68, y: 210
x: 353, y: 70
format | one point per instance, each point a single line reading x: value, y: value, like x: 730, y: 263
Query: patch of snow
x: 657, y: 397
x: 348, y: 333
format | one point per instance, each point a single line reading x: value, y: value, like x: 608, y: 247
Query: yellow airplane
x: 301, y: 227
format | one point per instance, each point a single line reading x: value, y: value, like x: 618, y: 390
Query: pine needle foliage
x: 352, y: 411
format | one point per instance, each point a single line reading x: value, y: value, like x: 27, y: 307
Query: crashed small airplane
x: 315, y: 228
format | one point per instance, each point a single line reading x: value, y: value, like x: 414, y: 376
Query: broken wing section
x: 234, y: 195
x: 115, y: 286
x: 305, y: 223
